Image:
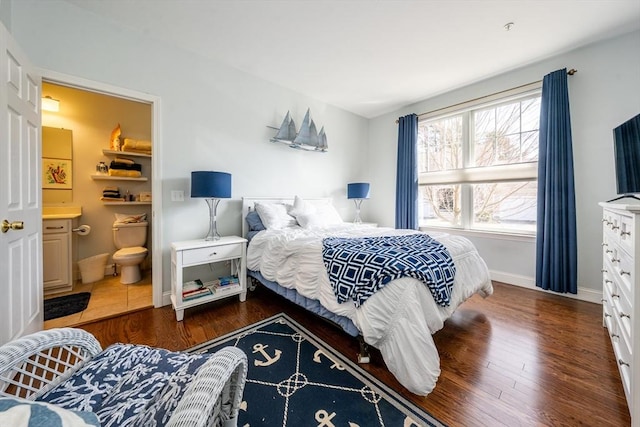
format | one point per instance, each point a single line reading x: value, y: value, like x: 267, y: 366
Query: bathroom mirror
x: 57, y: 165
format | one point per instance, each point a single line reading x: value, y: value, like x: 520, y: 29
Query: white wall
x: 5, y: 13
x: 603, y: 94
x: 213, y: 117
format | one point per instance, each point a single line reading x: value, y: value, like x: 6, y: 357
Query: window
x: 478, y: 164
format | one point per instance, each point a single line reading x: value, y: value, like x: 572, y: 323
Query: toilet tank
x: 128, y: 235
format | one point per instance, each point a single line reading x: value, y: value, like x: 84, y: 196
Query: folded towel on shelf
x: 124, y: 173
x: 112, y: 199
x: 124, y: 160
x: 125, y: 166
x: 111, y: 188
x: 139, y: 146
x: 110, y: 194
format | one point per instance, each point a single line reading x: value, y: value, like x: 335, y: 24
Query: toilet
x: 130, y: 238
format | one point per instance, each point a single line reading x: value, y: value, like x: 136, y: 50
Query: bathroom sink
x: 61, y: 212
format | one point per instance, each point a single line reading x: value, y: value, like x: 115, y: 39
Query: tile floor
x: 109, y: 298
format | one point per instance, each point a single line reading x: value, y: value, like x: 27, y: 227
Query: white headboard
x: 249, y: 202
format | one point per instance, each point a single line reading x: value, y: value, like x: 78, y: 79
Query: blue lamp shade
x: 215, y: 185
x: 358, y: 190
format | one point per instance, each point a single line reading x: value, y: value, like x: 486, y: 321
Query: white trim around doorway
x: 54, y: 77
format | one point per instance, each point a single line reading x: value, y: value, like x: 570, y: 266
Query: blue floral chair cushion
x: 129, y: 384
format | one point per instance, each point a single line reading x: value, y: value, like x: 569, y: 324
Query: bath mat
x: 65, y: 305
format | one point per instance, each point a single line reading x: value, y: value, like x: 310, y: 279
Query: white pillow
x: 301, y: 207
x: 323, y: 215
x: 274, y: 216
x: 330, y: 214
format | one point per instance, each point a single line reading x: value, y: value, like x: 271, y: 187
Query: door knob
x: 15, y: 225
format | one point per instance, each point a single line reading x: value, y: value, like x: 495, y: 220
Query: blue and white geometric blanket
x: 358, y: 267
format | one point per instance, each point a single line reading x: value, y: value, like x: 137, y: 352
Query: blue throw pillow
x: 19, y: 412
x: 254, y: 221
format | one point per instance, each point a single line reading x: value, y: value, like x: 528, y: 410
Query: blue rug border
x: 391, y: 395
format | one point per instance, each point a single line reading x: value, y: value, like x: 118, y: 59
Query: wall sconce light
x: 358, y: 191
x: 50, y: 104
x: 212, y: 186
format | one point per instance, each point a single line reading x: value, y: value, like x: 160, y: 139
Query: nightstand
x: 207, y: 261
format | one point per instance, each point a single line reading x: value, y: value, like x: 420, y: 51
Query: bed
x: 399, y: 319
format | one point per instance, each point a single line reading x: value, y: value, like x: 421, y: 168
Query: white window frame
x: 469, y: 174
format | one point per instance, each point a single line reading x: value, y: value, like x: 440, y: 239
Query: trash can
x: 92, y: 268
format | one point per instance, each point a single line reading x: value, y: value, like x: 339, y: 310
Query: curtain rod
x: 571, y: 72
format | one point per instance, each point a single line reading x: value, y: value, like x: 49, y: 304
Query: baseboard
x: 584, y: 294
x: 166, y: 298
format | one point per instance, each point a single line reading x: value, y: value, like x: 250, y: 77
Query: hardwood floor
x: 518, y: 358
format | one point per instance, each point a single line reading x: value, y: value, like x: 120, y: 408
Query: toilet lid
x: 125, y: 252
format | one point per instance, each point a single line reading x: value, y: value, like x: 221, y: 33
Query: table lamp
x: 358, y: 191
x: 213, y: 186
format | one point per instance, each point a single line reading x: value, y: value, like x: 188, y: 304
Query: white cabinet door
x: 55, y: 261
x: 20, y: 193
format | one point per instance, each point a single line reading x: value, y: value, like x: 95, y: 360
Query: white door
x: 21, y: 297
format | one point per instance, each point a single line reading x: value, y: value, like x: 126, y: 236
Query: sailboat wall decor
x: 307, y: 138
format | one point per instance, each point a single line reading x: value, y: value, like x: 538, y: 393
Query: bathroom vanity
x: 59, y: 250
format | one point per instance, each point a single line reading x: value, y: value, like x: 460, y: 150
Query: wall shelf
x: 124, y: 153
x: 117, y: 178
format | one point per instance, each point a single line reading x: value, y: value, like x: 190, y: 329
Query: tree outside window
x: 478, y: 167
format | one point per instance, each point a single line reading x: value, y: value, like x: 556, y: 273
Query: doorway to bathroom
x: 91, y: 112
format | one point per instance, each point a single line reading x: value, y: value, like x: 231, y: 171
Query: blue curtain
x: 407, y: 173
x: 556, y: 246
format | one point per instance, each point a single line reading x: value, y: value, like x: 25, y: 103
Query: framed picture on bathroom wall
x: 56, y: 173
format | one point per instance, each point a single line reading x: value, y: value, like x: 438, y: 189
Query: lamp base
x: 357, y: 219
x: 213, y: 230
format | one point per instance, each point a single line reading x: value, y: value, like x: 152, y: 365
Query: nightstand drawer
x: 211, y: 254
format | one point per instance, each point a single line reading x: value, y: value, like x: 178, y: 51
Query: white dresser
x: 621, y: 264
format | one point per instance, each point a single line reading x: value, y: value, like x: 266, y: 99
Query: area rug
x: 295, y: 379
x: 65, y: 305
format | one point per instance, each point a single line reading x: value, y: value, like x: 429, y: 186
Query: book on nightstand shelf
x: 223, y: 284
x: 194, y: 289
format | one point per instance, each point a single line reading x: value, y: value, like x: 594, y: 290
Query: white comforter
x: 399, y: 319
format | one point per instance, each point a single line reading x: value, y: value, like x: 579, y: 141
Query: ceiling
x: 373, y: 56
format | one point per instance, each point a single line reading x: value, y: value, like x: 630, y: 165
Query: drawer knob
x: 608, y: 251
x: 625, y: 233
x: 622, y: 363
x: 607, y: 315
x: 623, y: 315
x: 213, y: 254
x: 622, y: 273
x: 615, y: 296
x: 605, y: 244
x: 608, y: 281
x: 615, y: 336
x: 604, y: 270
x: 614, y: 260
x: 615, y: 227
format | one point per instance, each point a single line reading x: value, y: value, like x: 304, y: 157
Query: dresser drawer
x: 611, y: 225
x: 626, y: 233
x: 213, y: 254
x: 624, y: 271
x: 622, y: 314
x: 624, y: 362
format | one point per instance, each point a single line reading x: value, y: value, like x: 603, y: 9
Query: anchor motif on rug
x: 316, y: 358
x: 260, y: 348
x: 324, y: 418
